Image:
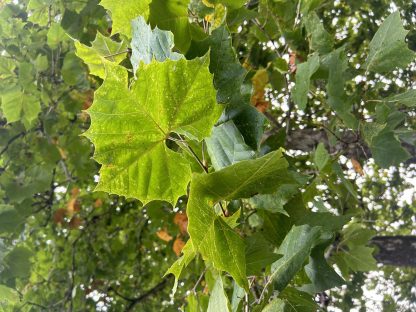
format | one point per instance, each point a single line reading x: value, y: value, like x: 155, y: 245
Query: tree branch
x: 147, y: 294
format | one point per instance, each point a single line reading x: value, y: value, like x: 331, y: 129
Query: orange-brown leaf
x: 262, y: 105
x: 98, y: 203
x: 178, y: 245
x: 260, y: 81
x: 89, y: 97
x: 181, y: 220
x: 357, y: 166
x: 73, y: 206
x: 75, y: 222
x: 75, y: 192
x: 59, y: 215
x: 164, y: 235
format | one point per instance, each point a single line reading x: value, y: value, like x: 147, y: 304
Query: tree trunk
x: 347, y: 143
x: 395, y: 250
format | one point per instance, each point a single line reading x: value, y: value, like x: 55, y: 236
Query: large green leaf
x: 336, y: 63
x: 321, y: 156
x: 9, y: 218
x: 258, y: 254
x: 55, y: 35
x: 387, y: 150
x: 17, y: 263
x: 276, y: 305
x: 229, y: 78
x: 210, y: 234
x: 304, y: 73
x: 228, y: 73
x: 276, y: 201
x: 218, y: 301
x: 73, y: 71
x: 295, y: 249
x: 129, y: 126
x: 8, y: 296
x: 320, y: 40
x: 360, y: 258
x: 103, y: 50
x: 292, y: 300
x: 407, y: 98
x: 173, y: 15
x: 148, y: 44
x: 123, y: 14
x: 39, y: 10
x: 226, y: 146
x: 298, y: 301
x: 322, y: 275
x: 388, y: 49
x: 188, y: 254
x: 19, y: 106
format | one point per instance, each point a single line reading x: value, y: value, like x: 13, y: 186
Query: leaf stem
x: 183, y: 144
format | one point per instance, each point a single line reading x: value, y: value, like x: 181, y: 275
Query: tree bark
x: 347, y: 143
x: 395, y: 250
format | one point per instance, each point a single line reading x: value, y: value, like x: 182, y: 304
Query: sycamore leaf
x: 226, y: 146
x: 369, y: 130
x: 304, y: 73
x: 407, y: 98
x: 322, y: 275
x: 360, y: 258
x: 123, y: 14
x: 177, y: 267
x: 258, y: 254
x: 181, y: 220
x: 103, y: 50
x: 164, y: 235
x: 129, y: 126
x: 276, y: 201
x: 357, y: 166
x: 8, y: 296
x: 228, y: 73
x: 276, y: 305
x: 9, y: 218
x: 321, y: 156
x: 148, y: 44
x: 55, y: 35
x: 320, y: 40
x: 337, y: 63
x: 211, y: 235
x: 218, y: 301
x: 387, y: 150
x: 309, y: 5
x: 173, y: 15
x: 18, y: 106
x: 298, y: 301
x: 356, y: 234
x: 39, y: 11
x: 178, y: 245
x: 229, y: 78
x: 295, y: 249
x: 388, y: 49
x: 237, y: 297
x: 17, y: 263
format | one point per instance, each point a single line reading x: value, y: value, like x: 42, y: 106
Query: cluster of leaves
x: 197, y: 159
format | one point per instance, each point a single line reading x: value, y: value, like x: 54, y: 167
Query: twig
x: 185, y: 145
x: 14, y: 138
x: 147, y: 294
x: 198, y: 281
